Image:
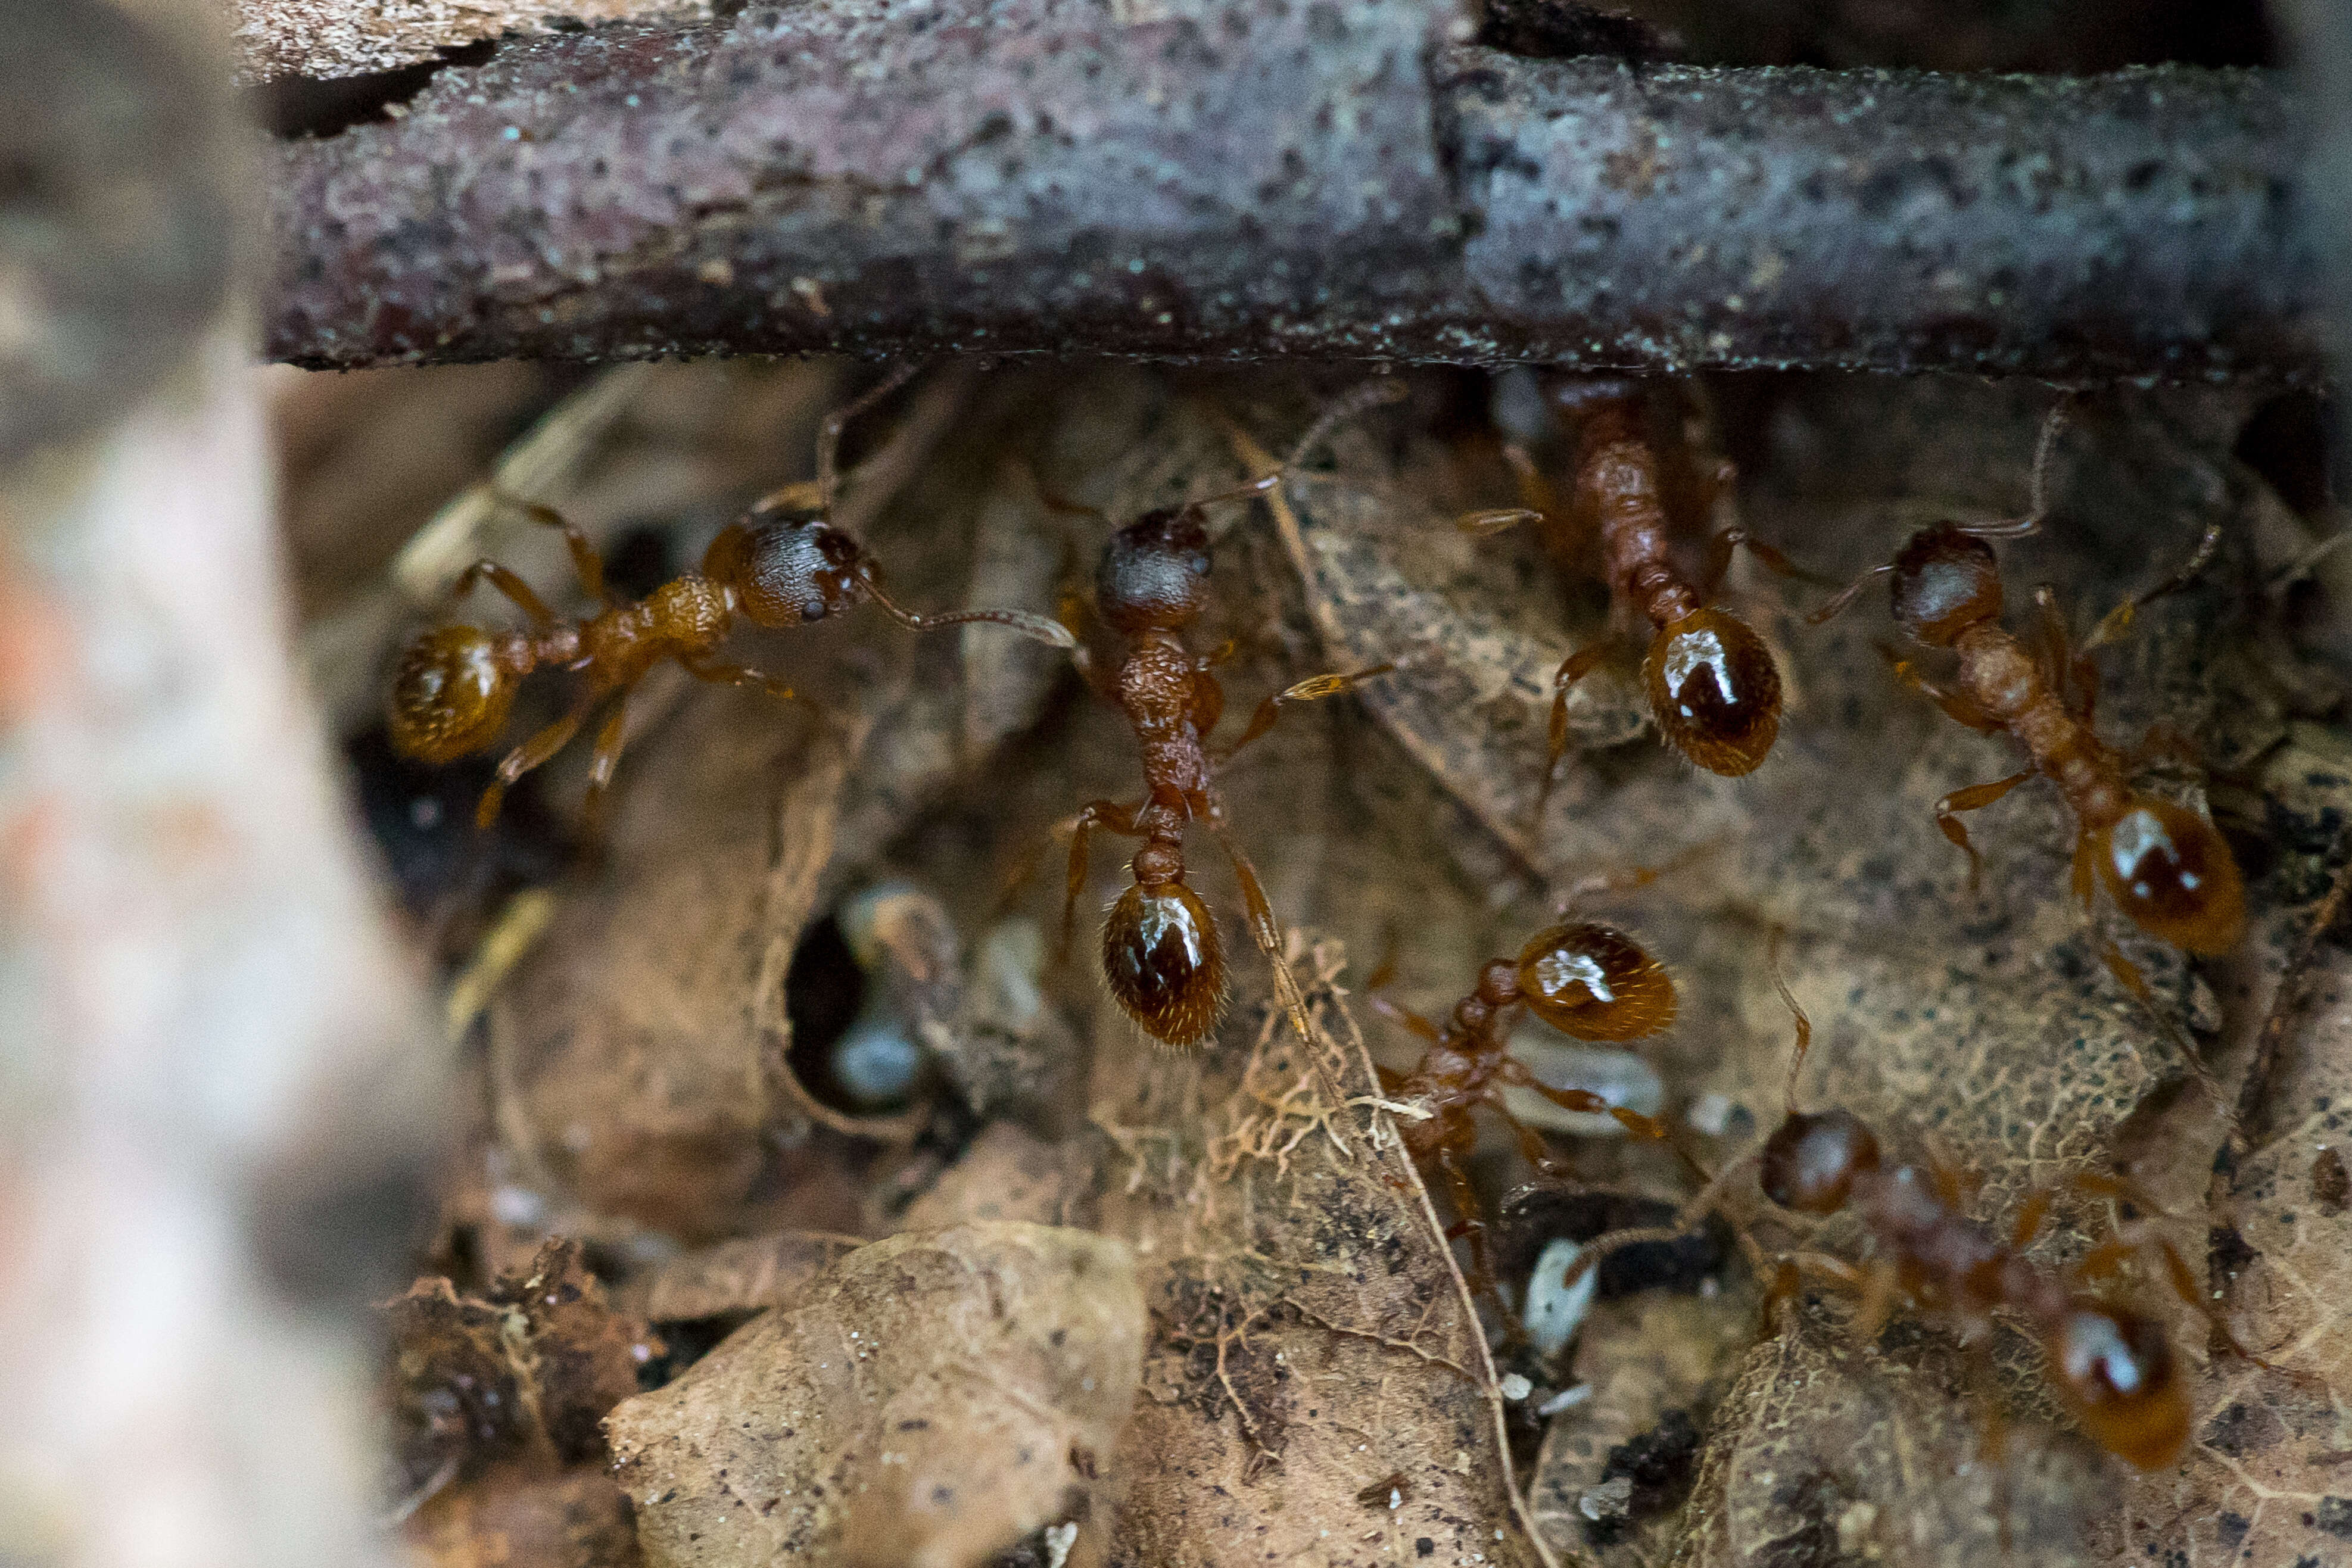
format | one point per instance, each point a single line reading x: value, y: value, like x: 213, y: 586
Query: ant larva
x: 1713, y: 689
x: 2166, y: 867
x: 455, y: 687
x: 1160, y: 952
x: 1589, y: 981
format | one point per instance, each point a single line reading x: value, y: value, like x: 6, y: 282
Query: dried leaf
x: 523, y: 1374
x: 932, y: 1400
x: 577, y: 1519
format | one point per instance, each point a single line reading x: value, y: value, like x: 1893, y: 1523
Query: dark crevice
x: 294, y: 107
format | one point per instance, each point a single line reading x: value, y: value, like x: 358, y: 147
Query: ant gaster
x: 454, y: 685
x: 1587, y: 980
x: 1161, y: 955
x: 1713, y: 688
x: 2166, y: 867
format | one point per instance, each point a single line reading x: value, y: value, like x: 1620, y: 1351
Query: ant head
x: 1595, y: 983
x: 1154, y: 574
x: 788, y: 572
x: 1946, y: 580
x: 451, y: 694
x: 1162, y: 960
x: 1809, y: 1162
x: 1714, y: 691
x: 2171, y: 871
x: 2119, y: 1374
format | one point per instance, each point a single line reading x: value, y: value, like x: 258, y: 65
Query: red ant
x: 2165, y: 867
x: 2114, y: 1367
x: 1160, y: 952
x: 454, y: 685
x: 1713, y: 688
x: 1587, y: 980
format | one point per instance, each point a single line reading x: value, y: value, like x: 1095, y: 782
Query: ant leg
x: 1975, y: 797
x: 1532, y: 1148
x: 828, y: 435
x: 719, y: 672
x: 1495, y: 520
x: 1879, y: 1286
x: 1313, y: 689
x: 2070, y: 671
x: 1956, y: 704
x: 1382, y: 975
x: 2103, y: 1260
x: 2129, y: 975
x: 527, y: 756
x: 1471, y: 1227
x: 1254, y: 899
x: 2164, y: 743
x: 1108, y: 815
x: 506, y: 582
x: 585, y: 563
x: 1770, y: 556
x: 610, y: 738
x: 2119, y: 620
x: 1572, y: 669
x: 1537, y: 494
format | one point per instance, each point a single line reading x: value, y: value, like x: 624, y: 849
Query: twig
x: 1246, y: 178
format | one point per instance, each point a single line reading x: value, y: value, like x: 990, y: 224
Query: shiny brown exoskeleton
x: 1713, y: 689
x: 2167, y: 868
x: 1588, y: 980
x: 454, y: 685
x: 1161, y: 955
x: 2114, y: 1366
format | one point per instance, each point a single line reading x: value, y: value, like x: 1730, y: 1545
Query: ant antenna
x: 1041, y: 628
x: 1367, y: 394
x: 1805, y: 1025
x: 828, y: 440
x: 2038, y: 497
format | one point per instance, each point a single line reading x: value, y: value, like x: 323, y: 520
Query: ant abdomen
x: 1809, y: 1162
x: 1162, y: 960
x: 1594, y: 982
x: 1715, y: 691
x: 450, y: 695
x: 1154, y: 572
x: 2171, y: 872
x: 2119, y: 1374
x: 789, y: 572
x: 1946, y: 580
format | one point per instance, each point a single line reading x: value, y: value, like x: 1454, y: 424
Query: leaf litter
x: 1306, y: 1341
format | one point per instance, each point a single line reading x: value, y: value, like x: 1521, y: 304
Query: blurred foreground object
x: 213, y: 1076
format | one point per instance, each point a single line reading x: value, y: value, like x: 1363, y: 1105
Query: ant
x: 1160, y: 952
x: 1713, y: 688
x: 2166, y: 867
x: 455, y: 687
x: 1587, y: 980
x: 2114, y: 1367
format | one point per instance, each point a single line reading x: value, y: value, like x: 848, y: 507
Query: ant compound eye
x: 1714, y: 691
x: 1595, y: 983
x: 1944, y: 581
x: 2171, y: 871
x: 2120, y: 1377
x: 1154, y: 572
x: 789, y: 572
x: 450, y: 695
x: 1161, y: 961
x: 1808, y: 1163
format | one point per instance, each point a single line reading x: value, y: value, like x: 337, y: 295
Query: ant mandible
x: 2166, y: 867
x: 454, y: 685
x: 1587, y: 980
x: 1160, y: 952
x: 1714, y: 691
